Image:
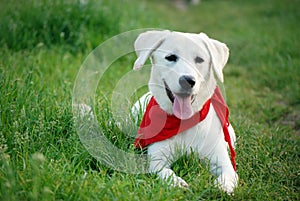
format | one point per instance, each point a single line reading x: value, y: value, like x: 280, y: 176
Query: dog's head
x: 184, y: 68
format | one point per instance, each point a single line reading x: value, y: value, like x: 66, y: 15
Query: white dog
x: 183, y: 114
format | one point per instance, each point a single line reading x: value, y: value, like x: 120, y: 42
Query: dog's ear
x: 145, y: 44
x: 219, y: 54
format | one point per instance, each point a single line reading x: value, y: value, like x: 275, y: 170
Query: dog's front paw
x: 172, y: 180
x: 227, y: 183
x: 178, y: 182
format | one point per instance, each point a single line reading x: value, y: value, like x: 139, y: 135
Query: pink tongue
x: 182, y: 107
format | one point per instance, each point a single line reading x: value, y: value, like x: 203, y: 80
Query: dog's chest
x: 202, y: 134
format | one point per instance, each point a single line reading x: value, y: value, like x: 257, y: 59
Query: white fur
x: 206, y: 138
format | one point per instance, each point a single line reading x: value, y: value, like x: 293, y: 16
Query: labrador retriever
x: 184, y: 110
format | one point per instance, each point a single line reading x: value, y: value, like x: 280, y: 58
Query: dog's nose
x: 187, y: 82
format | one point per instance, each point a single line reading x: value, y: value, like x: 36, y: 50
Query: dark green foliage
x: 72, y: 24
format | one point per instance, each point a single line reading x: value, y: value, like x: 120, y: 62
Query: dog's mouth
x: 181, y: 103
x: 169, y: 92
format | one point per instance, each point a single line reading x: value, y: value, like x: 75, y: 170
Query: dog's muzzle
x: 171, y: 95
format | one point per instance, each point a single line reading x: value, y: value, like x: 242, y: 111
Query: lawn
x: 42, y: 47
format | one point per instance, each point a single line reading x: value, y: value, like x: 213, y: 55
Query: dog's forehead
x: 183, y: 42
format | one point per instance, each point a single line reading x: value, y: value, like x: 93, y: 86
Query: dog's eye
x: 172, y: 57
x: 198, y: 60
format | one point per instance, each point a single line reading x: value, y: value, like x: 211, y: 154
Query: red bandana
x: 157, y: 125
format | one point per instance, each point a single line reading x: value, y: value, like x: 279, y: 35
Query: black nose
x: 187, y: 82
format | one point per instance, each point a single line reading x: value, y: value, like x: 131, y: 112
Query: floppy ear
x: 146, y: 43
x: 219, y: 54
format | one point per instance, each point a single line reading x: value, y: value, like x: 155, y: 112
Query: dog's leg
x: 221, y: 166
x: 160, y: 163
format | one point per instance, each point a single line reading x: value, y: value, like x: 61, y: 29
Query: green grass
x: 42, y: 46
